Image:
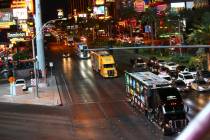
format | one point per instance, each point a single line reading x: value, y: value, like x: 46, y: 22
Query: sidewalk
x: 48, y: 94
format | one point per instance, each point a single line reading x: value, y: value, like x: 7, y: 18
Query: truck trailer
x: 161, y: 103
x: 103, y: 63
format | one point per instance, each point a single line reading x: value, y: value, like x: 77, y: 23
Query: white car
x: 187, y: 77
x: 171, y: 66
x: 200, y: 85
x: 160, y: 62
x: 22, y: 83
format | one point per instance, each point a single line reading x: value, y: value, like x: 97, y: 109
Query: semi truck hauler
x: 161, y: 103
x: 104, y: 63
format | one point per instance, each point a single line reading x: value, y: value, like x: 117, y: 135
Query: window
x: 108, y: 65
x: 188, y: 77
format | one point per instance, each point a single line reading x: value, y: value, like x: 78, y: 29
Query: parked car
x: 193, y: 71
x: 171, y: 66
x: 180, y: 85
x: 138, y: 62
x: 187, y: 77
x: 180, y: 68
x: 165, y: 76
x: 151, y: 61
x: 160, y: 62
x: 22, y: 83
x: 206, y: 75
x: 200, y: 85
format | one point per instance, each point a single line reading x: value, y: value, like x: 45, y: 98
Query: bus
x: 161, y: 103
x: 80, y: 51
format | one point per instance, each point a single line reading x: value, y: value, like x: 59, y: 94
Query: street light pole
x: 36, y: 61
x: 35, y: 70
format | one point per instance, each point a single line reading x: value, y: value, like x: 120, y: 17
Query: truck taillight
x: 173, y: 103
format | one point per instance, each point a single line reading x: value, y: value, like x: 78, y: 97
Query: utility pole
x: 39, y: 38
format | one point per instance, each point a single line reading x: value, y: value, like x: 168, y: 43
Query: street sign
x: 148, y: 29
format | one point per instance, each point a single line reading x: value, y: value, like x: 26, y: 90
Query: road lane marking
x: 68, y: 92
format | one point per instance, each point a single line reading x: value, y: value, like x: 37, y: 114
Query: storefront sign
x: 20, y: 13
x: 16, y: 35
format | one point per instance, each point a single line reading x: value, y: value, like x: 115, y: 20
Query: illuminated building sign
x: 99, y: 10
x: 178, y: 5
x: 6, y: 25
x: 20, y: 13
x: 139, y: 5
x: 16, y: 35
x: 99, y: 2
x: 18, y: 4
x: 5, y: 16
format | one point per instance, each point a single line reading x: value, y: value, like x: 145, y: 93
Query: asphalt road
x: 97, y: 107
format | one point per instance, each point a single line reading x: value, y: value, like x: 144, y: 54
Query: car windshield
x: 108, y: 65
x: 180, y: 83
x: 140, y: 60
x: 160, y: 61
x: 167, y: 78
x: 20, y: 82
x: 171, y: 64
x: 173, y: 108
x: 188, y: 77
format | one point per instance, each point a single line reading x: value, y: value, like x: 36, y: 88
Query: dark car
x: 180, y: 85
x: 138, y: 62
x: 151, y: 62
x: 206, y: 75
x: 180, y: 68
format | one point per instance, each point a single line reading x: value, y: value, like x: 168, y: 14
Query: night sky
x: 49, y: 9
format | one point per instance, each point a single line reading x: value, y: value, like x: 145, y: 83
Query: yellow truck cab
x: 104, y: 63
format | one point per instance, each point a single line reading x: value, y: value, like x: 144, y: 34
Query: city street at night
x: 104, y: 70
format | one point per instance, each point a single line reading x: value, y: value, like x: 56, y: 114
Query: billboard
x: 139, y: 5
x: 99, y: 2
x: 20, y: 13
x: 99, y: 10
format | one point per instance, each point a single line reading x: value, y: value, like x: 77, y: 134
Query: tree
x: 201, y: 33
x: 128, y: 12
